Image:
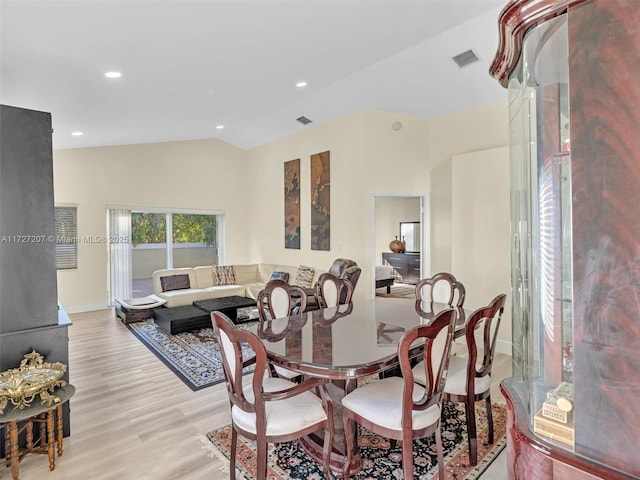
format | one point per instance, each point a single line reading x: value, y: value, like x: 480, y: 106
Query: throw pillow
x: 304, y: 277
x: 224, y: 275
x: 175, y: 282
x: 280, y: 276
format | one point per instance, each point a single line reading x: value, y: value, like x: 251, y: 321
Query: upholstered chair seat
x: 456, y: 378
x: 378, y: 402
x: 283, y: 416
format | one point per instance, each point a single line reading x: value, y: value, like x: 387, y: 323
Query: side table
x: 137, y: 309
x: 49, y: 421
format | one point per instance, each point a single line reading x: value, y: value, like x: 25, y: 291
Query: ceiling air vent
x: 465, y: 58
x: 303, y: 120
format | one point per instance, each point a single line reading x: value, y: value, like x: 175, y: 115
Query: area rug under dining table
x: 379, y: 460
x: 193, y: 356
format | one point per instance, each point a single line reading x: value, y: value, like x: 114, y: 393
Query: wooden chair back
x: 437, y: 337
x: 481, y: 334
x: 331, y: 291
x: 234, y: 359
x: 440, y: 288
x: 279, y: 299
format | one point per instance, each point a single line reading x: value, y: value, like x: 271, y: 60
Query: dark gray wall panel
x: 28, y: 288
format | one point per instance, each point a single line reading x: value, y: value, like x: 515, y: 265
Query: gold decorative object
x: 33, y: 377
x: 397, y: 246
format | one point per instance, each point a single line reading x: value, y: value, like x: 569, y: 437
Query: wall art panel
x: 320, y: 202
x: 292, y: 204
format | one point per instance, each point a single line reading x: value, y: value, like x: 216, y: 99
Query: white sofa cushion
x: 246, y: 273
x: 253, y: 289
x: 176, y: 298
x: 204, y: 276
x: 225, y: 291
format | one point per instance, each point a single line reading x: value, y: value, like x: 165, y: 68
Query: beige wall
x: 481, y: 253
x: 202, y: 174
x: 367, y: 156
x: 480, y: 128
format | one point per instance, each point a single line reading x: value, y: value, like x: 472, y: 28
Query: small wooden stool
x: 49, y: 431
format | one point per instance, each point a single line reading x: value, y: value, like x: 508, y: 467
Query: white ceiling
x: 190, y: 65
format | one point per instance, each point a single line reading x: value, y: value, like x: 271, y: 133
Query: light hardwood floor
x: 133, y: 419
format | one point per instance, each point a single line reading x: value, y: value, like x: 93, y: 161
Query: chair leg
x: 261, y: 463
x: 234, y: 444
x: 439, y: 453
x: 469, y: 407
x: 407, y: 455
x: 349, y: 435
x: 490, y: 418
x: 328, y: 442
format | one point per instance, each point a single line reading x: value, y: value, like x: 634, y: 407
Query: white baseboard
x: 89, y: 307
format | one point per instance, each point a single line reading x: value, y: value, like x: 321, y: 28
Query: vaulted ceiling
x: 189, y: 66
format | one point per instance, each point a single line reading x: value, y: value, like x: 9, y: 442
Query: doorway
x: 393, y: 215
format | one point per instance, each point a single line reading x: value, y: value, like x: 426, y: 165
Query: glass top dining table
x: 348, y: 341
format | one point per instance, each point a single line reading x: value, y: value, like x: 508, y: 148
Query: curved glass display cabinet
x: 571, y: 68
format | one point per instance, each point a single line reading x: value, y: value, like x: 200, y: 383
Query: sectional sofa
x: 182, y: 286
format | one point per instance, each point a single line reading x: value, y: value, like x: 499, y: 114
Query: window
x: 66, y: 237
x: 151, y: 228
x: 172, y: 240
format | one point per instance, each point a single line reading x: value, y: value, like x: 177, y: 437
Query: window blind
x: 66, y: 237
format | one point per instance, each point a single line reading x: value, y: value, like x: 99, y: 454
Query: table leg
x: 13, y: 449
x: 51, y: 439
x: 59, y: 428
x: 313, y: 444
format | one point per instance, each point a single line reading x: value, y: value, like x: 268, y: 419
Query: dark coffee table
x: 227, y: 305
x: 181, y: 319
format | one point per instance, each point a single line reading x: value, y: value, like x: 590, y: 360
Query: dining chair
x: 469, y: 378
x: 331, y: 290
x: 440, y: 288
x: 279, y: 299
x: 398, y: 408
x: 264, y: 408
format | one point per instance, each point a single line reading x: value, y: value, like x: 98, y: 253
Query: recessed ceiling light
x: 219, y: 127
x: 301, y: 84
x: 113, y: 74
x: 77, y: 134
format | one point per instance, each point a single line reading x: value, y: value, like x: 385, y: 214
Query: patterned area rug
x: 379, y: 461
x: 193, y: 356
x: 398, y: 290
